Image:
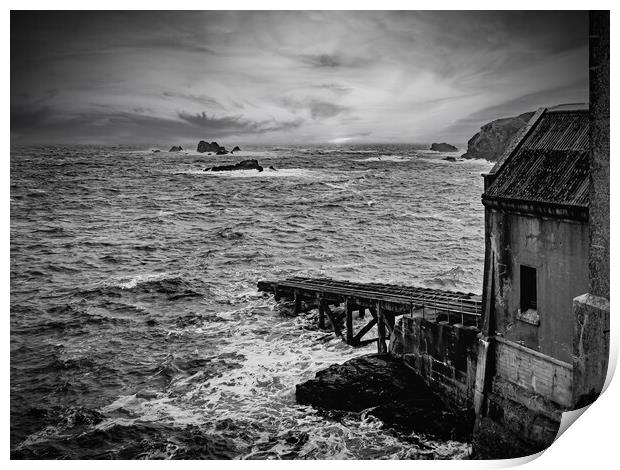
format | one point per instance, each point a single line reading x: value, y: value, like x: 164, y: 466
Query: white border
x: 591, y: 443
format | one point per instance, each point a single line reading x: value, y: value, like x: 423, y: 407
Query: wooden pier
x: 384, y: 302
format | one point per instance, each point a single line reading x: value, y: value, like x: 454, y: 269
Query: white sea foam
x: 385, y: 158
x: 266, y: 173
x: 130, y: 282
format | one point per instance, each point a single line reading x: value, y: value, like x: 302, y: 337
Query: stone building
x: 536, y: 201
x: 536, y: 232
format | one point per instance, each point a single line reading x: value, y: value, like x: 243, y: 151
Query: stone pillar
x: 590, y: 348
x: 599, y: 154
x: 591, y: 311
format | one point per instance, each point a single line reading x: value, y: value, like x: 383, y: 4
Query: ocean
x: 136, y: 327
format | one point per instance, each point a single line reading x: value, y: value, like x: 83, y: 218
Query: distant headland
x: 495, y: 136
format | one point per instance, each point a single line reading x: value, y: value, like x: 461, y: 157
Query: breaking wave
x: 136, y: 327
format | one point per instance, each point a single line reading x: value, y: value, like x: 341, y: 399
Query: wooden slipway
x: 384, y: 302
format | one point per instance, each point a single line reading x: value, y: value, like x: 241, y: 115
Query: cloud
x: 332, y: 61
x: 335, y: 88
x: 323, y: 109
x: 200, y: 99
x: 237, y: 124
x: 44, y: 126
x: 318, y: 109
x: 576, y: 92
x: 305, y: 76
x: 22, y: 119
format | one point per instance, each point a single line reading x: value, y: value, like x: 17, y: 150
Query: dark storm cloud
x: 530, y: 102
x: 323, y: 109
x: 331, y: 61
x: 138, y: 128
x: 236, y: 124
x: 318, y: 109
x: 279, y: 75
x: 202, y: 99
x: 22, y: 119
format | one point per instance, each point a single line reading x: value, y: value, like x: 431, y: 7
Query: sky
x: 287, y: 77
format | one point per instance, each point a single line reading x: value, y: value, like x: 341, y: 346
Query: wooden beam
x: 319, y: 302
x: 389, y: 323
x: 381, y: 346
x: 364, y: 342
x: 332, y: 320
x: 362, y: 311
x: 348, y: 308
x: 363, y: 331
x: 373, y: 312
x: 297, y: 297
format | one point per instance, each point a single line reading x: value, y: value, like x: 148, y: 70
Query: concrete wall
x: 558, y: 249
x: 524, y: 401
x: 533, y: 372
x: 444, y: 355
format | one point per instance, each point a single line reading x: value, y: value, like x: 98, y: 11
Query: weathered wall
x: 444, y: 355
x: 599, y: 153
x: 590, y: 347
x: 527, y: 394
x: 558, y: 250
x: 527, y: 390
x: 533, y: 372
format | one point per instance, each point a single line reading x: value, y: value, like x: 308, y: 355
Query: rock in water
x: 397, y: 396
x: 443, y: 147
x: 450, y: 159
x: 359, y: 383
x: 495, y: 136
x: 176, y: 148
x: 214, y: 147
x: 243, y: 165
x: 236, y: 149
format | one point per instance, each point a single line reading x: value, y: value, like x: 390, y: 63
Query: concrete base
x: 493, y: 441
x: 590, y: 348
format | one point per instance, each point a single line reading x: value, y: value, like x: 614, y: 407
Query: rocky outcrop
x: 443, y: 147
x: 450, y: 159
x: 243, y: 165
x: 236, y: 149
x: 213, y: 147
x: 495, y: 136
x: 391, y: 392
x: 176, y: 148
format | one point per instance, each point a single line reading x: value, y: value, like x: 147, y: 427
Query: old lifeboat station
x: 536, y: 343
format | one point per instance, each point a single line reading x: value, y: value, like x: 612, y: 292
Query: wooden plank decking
x: 384, y: 302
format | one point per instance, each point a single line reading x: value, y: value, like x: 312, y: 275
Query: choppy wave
x: 136, y: 327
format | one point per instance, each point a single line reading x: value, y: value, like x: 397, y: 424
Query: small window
x: 528, y: 288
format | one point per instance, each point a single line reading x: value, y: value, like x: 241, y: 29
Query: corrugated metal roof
x: 550, y: 164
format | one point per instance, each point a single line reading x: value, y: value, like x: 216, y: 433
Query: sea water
x: 136, y: 327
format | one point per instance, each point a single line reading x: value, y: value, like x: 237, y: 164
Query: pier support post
x: 297, y: 295
x: 381, y: 346
x: 348, y: 308
x: 332, y: 320
x: 319, y: 301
